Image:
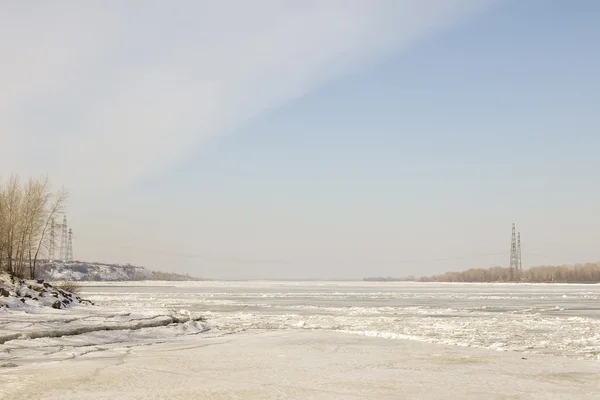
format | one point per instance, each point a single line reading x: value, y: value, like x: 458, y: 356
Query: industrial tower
x: 70, y: 246
x: 514, y: 260
x: 63, y: 240
x: 516, y: 264
x: 519, y: 254
x: 52, y: 241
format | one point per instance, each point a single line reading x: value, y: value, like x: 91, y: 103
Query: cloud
x: 102, y: 94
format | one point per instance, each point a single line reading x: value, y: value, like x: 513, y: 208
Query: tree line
x: 27, y: 209
x: 579, y: 273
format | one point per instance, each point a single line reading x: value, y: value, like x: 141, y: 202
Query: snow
x: 31, y: 294
x: 501, y: 317
x: 306, y: 340
x: 81, y: 271
x: 47, y: 334
x: 39, y: 321
x: 302, y: 365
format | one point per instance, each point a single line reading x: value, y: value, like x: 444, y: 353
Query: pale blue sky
x: 351, y: 162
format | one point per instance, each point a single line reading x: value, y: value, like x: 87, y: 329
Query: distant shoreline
x: 153, y: 283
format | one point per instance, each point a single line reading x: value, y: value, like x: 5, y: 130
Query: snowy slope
x: 83, y: 271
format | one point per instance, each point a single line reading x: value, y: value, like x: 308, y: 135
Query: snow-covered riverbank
x: 32, y: 295
x: 40, y: 322
x: 53, y: 335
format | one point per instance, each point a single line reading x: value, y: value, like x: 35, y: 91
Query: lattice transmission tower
x: 514, y: 257
x: 52, y: 241
x: 64, y: 238
x: 70, y: 246
x: 519, y: 259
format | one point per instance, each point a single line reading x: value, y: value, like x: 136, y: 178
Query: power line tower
x: 514, y: 260
x: 52, y: 241
x: 63, y: 240
x: 70, y: 246
x: 520, y: 261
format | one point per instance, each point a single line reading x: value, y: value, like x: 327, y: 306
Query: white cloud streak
x: 100, y: 94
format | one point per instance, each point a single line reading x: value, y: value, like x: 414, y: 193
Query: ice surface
x: 544, y: 341
x: 303, y: 365
x: 551, y: 319
x: 31, y: 329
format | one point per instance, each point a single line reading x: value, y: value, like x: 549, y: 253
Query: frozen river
x: 551, y: 319
x: 307, y: 340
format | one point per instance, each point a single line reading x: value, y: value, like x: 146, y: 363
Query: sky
x: 315, y: 139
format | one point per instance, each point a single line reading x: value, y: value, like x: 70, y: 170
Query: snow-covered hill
x: 83, y: 271
x: 86, y: 271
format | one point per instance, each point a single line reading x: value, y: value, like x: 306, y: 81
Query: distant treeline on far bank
x: 580, y: 273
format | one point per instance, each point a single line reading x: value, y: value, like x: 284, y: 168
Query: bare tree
x: 45, y: 218
x: 12, y: 208
x: 29, y: 207
x: 3, y: 223
x: 586, y: 273
x: 26, y: 213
